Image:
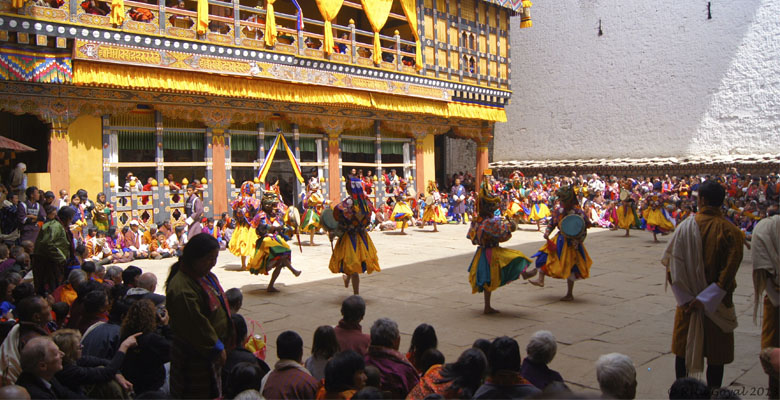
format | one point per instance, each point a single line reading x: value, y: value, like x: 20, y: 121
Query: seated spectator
x: 116, y: 243
x: 430, y: 358
x: 141, y: 15
x: 159, y: 249
x: 323, y: 348
x: 144, y: 365
x: 397, y: 375
x: 129, y: 279
x: 541, y: 351
x: 61, y: 311
x: 482, y: 344
x: 133, y: 241
x: 341, y: 48
x: 177, y: 241
x: 95, y: 309
x: 150, y: 234
x: 165, y: 228
x: 6, y: 298
x: 240, y: 354
x: 349, y: 333
x: 505, y: 380
x: 235, y: 300
x: 98, y: 249
x: 113, y: 276
x: 34, y: 315
x: 99, y: 274
x: 5, y: 260
x: 423, y: 339
x: 242, y: 377
x: 289, y: 379
x: 453, y: 381
x: 688, y: 388
x: 344, y: 376
x: 373, y: 377
x: 40, y: 362
x: 102, y: 340
x: 617, y: 376
x: 145, y: 289
x: 67, y: 291
x: 89, y: 268
x: 14, y: 392
x: 79, y: 371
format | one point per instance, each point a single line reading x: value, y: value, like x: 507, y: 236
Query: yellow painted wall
x: 85, y: 155
x: 429, y: 159
x: 42, y: 180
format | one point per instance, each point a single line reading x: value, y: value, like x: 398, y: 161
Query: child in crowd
x: 235, y: 299
x: 324, y: 347
x: 159, y: 248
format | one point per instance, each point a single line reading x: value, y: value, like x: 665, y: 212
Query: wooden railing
x: 231, y: 23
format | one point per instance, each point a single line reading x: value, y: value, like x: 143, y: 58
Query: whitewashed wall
x: 661, y: 81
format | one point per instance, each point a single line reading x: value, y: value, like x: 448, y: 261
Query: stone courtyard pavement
x: 621, y: 308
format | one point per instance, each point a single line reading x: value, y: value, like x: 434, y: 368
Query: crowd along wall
x: 661, y: 80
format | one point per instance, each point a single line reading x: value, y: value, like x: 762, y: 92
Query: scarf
x: 684, y: 260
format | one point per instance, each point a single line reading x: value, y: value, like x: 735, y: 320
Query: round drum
x: 624, y: 194
x: 573, y: 227
x: 328, y: 221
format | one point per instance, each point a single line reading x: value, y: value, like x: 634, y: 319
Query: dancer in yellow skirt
x: 433, y: 211
x: 273, y: 252
x: 657, y: 219
x: 626, y: 215
x: 354, y: 253
x: 540, y: 213
x: 562, y: 257
x: 245, y: 209
x: 493, y: 266
x: 313, y: 205
x: 402, y: 212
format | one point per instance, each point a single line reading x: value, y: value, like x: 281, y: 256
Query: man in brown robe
x: 766, y: 275
x: 702, y: 260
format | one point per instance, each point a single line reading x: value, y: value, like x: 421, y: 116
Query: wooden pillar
x: 160, y: 199
x: 334, y: 168
x: 58, y: 157
x: 482, y: 161
x: 419, y: 161
x: 219, y: 172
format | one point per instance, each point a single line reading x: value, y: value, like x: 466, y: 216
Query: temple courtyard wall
x: 611, y: 79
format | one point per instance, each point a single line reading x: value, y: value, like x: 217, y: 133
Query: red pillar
x: 334, y: 169
x: 419, y: 159
x: 58, y: 159
x: 219, y: 173
x: 482, y: 161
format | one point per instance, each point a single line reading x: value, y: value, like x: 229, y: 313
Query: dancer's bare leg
x: 655, y: 237
x: 539, y: 281
x: 274, y: 276
x: 488, y: 308
x: 403, y: 226
x: 356, y: 283
x: 569, y: 293
x: 435, y: 229
x: 346, y: 280
x: 243, y: 262
x: 627, y: 232
x: 539, y: 225
x: 293, y: 270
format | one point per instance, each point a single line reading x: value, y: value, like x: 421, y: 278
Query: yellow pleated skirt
x: 626, y: 218
x: 540, y: 211
x: 354, y: 254
x: 434, y: 213
x: 243, y: 241
x: 559, y: 258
